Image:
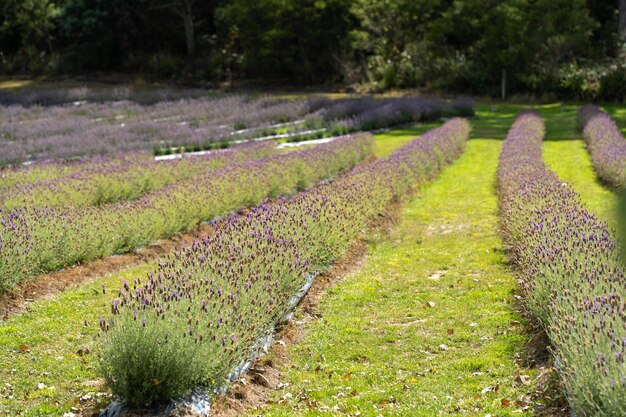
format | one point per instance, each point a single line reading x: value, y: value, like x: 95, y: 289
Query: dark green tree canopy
x: 452, y: 45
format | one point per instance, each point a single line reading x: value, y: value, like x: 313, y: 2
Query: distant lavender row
x: 368, y: 113
x: 199, y: 314
x: 48, y: 96
x: 35, y: 240
x: 117, y: 179
x: 605, y: 143
x: 571, y: 272
x: 89, y: 129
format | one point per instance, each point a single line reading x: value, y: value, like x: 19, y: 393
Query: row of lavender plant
x: 605, y: 143
x: 369, y: 113
x: 48, y: 96
x: 62, y: 132
x: 115, y: 179
x: 59, y: 132
x: 35, y: 240
x: 571, y: 272
x: 198, y: 315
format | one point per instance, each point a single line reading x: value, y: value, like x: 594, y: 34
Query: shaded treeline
x: 566, y: 47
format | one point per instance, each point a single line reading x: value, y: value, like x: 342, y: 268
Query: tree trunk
x: 503, y: 84
x: 622, y: 20
x: 188, y: 21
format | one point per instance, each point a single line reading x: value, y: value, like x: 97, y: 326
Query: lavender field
x: 462, y: 237
x: 38, y: 131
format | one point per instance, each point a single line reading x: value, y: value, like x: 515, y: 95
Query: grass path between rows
x: 427, y: 326
x: 565, y: 153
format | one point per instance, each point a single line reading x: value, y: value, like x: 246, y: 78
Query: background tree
x: 297, y: 40
x: 568, y: 47
x: 622, y: 20
x: 27, y: 29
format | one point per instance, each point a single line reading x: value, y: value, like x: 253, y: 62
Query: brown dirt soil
x: 48, y: 285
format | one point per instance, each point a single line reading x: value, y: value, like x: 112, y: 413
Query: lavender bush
x: 108, y: 180
x: 48, y: 96
x: 571, y: 272
x: 198, y: 315
x: 368, y: 113
x: 34, y: 240
x: 605, y: 143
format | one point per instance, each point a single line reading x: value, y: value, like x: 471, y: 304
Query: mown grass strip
x: 427, y: 326
x: 565, y: 152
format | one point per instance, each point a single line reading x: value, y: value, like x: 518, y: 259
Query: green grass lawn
x: 388, y: 141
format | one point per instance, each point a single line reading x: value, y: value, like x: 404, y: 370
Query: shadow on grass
x: 494, y: 120
x: 409, y: 131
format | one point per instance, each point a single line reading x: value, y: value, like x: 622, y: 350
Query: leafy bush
x: 613, y: 85
x: 148, y: 365
x: 603, y: 81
